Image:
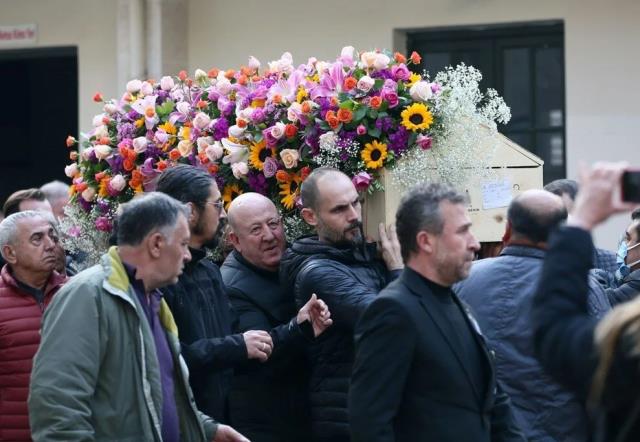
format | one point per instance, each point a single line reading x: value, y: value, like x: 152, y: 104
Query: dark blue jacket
x: 500, y: 293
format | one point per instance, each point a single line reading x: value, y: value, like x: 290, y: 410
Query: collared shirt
x: 151, y: 307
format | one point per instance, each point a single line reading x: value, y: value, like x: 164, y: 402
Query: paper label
x: 496, y: 194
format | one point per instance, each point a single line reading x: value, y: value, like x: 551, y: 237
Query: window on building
x: 525, y: 64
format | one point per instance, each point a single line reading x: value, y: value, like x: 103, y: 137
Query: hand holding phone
x: 631, y: 186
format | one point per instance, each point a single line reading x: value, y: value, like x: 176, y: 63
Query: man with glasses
x: 269, y: 401
x: 198, y: 300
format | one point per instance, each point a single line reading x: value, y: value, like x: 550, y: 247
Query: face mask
x: 623, y: 268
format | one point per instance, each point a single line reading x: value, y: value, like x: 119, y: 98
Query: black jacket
x: 423, y: 371
x: 201, y: 310
x: 347, y: 279
x: 564, y: 336
x: 268, y: 401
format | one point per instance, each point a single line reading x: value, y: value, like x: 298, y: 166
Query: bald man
x: 500, y: 291
x: 268, y: 401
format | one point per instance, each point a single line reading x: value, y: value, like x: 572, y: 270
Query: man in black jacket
x: 198, y: 300
x: 346, y: 273
x: 268, y: 401
x: 422, y: 369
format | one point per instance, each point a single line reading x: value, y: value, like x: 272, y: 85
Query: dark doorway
x: 525, y: 64
x: 40, y: 108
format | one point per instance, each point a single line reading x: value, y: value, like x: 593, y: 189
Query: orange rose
x: 375, y: 102
x: 333, y: 122
x: 213, y: 73
x: 229, y: 74
x: 241, y: 123
x: 306, y: 107
x: 305, y: 172
x: 162, y: 165
x: 415, y: 58
x: 213, y: 169
x: 277, y: 99
x: 246, y: 70
x: 71, y: 141
x: 182, y: 75
x: 345, y: 115
x: 334, y: 101
x: 349, y: 83
x: 98, y: 176
x: 175, y: 154
x: 188, y: 82
x: 243, y: 79
x: 104, y: 140
x: 201, y: 104
x: 290, y: 130
x: 282, y: 176
x: 128, y: 165
x: 80, y: 187
x: 98, y: 97
x: 73, y: 155
x: 202, y: 156
x: 398, y: 57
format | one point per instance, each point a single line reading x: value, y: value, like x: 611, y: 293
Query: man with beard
x: 347, y: 274
x: 268, y: 401
x: 422, y: 370
x: 198, y: 300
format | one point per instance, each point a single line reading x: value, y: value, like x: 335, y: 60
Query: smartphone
x: 631, y: 186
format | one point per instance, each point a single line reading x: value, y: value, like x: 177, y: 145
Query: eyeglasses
x: 219, y: 205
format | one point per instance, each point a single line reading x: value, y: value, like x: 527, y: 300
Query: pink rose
x: 89, y: 194
x: 277, y: 130
x: 390, y: 96
x: 103, y: 224
x: 270, y: 167
x: 134, y: 86
x: 166, y: 83
x: 361, y: 129
x: 254, y: 63
x: 201, y: 120
x: 162, y: 137
x: 117, y: 183
x: 183, y: 107
x: 146, y: 88
x: 361, y: 181
x: 424, y: 141
x: 365, y: 83
x: 71, y: 170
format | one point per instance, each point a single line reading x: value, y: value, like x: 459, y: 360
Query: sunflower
x: 416, y: 117
x: 290, y: 189
x: 413, y: 79
x: 259, y: 152
x: 374, y: 154
x: 229, y: 193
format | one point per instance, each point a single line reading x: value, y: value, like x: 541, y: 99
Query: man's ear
x: 9, y: 254
x: 193, y: 215
x: 155, y: 243
x: 233, y: 239
x: 508, y: 231
x: 425, y: 241
x: 309, y: 216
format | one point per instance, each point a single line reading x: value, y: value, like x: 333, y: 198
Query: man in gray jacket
x: 500, y: 292
x: 109, y: 365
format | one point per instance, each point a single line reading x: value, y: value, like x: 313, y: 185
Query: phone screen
x: 631, y: 186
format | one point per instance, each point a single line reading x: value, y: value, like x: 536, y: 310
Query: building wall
x: 601, y: 40
x: 88, y: 24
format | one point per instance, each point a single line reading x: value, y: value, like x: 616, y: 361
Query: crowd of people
x: 330, y: 337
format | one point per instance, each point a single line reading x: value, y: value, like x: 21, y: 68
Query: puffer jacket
x: 347, y: 279
x: 96, y: 375
x: 500, y: 293
x: 20, y: 318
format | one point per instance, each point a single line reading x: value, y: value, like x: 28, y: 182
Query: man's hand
x: 390, y: 247
x: 227, y: 434
x: 599, y: 196
x: 259, y: 345
x: 316, y: 312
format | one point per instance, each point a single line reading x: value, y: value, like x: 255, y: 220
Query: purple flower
x: 126, y: 130
x: 221, y: 129
x: 115, y: 163
x: 257, y: 115
x: 435, y: 88
x: 270, y: 167
x: 400, y: 72
x: 85, y: 205
x: 103, y: 224
x: 398, y: 141
x: 361, y: 181
x: 103, y: 206
x: 258, y: 182
x: 385, y: 124
x: 390, y: 96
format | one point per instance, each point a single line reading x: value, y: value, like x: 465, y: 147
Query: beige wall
x: 601, y: 47
x: 88, y: 24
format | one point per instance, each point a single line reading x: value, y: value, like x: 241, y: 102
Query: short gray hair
x: 9, y: 225
x: 54, y: 190
x: 151, y: 212
x: 420, y: 210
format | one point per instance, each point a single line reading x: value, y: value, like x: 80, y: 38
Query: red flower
x: 98, y: 97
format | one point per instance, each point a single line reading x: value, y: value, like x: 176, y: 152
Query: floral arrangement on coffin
x: 266, y: 131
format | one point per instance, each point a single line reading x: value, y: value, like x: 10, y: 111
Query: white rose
x: 368, y: 59
x: 381, y: 61
x: 236, y: 131
x: 214, y: 151
x: 146, y: 88
x: 134, y: 86
x: 97, y: 120
x: 289, y: 157
x: 86, y: 153
x: 203, y: 143
x: 71, y: 170
x: 348, y: 52
x: 294, y: 110
x: 239, y: 169
x: 185, y: 147
x: 200, y: 75
x: 201, y: 120
x: 140, y: 144
x: 421, y: 91
x: 110, y: 108
x: 365, y: 83
x: 277, y: 130
x: 117, y: 183
x: 184, y: 108
x: 89, y: 194
x: 322, y: 66
x: 166, y: 83
x: 223, y: 86
x: 102, y: 151
x: 101, y: 131
x: 177, y: 95
x: 254, y: 63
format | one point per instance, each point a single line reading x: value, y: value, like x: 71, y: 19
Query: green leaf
x: 373, y: 113
x: 347, y: 104
x: 374, y: 132
x: 359, y: 113
x: 377, y: 85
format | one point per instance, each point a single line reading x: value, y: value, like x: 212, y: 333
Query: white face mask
x: 623, y: 268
